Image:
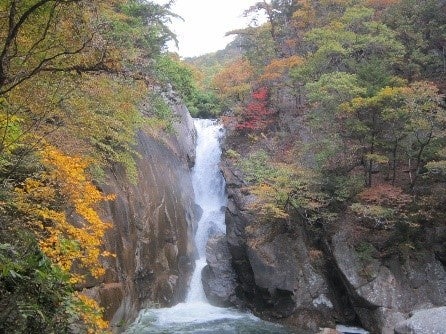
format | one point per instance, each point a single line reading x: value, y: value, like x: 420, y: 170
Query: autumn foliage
x: 53, y: 200
x: 355, y: 90
x: 385, y: 194
x: 257, y: 114
x: 277, y: 68
x: 73, y: 77
x: 233, y: 82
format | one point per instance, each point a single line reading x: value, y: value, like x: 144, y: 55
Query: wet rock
x: 328, y: 331
x: 429, y: 321
x: 198, y: 211
x: 153, y: 223
x: 384, y: 291
x: 278, y: 274
x: 314, y: 276
x: 218, y: 277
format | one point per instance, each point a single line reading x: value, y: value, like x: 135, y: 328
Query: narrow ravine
x: 196, y: 315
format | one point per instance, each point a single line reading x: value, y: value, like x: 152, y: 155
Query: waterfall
x: 209, y: 188
x: 208, y: 182
x: 196, y: 315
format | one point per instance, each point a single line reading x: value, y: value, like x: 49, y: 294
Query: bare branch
x: 44, y: 33
x: 13, y: 30
x: 20, y: 79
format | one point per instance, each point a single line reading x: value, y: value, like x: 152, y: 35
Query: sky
x: 205, y: 24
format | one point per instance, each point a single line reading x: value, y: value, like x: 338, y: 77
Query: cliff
x: 320, y: 275
x: 153, y: 223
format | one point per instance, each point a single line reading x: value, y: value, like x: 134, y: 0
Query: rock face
x: 430, y: 321
x: 384, y: 292
x: 218, y: 277
x: 153, y: 226
x: 288, y: 273
x: 280, y: 274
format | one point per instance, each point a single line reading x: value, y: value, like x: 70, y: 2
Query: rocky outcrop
x: 430, y: 321
x: 153, y: 223
x: 218, y: 277
x: 281, y: 275
x: 385, y: 291
x: 314, y: 276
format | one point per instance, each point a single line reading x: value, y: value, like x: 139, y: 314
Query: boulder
x: 385, y: 291
x: 218, y: 277
x: 427, y: 321
x: 280, y: 273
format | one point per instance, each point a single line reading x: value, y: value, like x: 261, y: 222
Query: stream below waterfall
x: 196, y: 315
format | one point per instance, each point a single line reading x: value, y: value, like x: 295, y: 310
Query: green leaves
x: 257, y: 168
x: 32, y: 289
x: 282, y: 188
x: 344, y: 44
x: 332, y: 89
x: 200, y: 102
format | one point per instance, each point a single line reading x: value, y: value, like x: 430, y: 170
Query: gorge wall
x: 316, y: 276
x: 153, y: 223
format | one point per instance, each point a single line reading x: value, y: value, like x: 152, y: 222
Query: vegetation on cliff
x: 336, y: 108
x: 73, y: 76
x: 338, y: 112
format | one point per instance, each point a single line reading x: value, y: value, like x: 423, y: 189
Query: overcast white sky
x: 206, y: 22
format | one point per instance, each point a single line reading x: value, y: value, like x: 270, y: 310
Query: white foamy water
x: 210, y: 195
x: 196, y: 315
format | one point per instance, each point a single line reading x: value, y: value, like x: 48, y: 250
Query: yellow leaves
x: 61, y: 204
x: 281, y: 188
x: 378, y: 158
x: 91, y: 314
x: 385, y: 97
x: 265, y: 204
x: 305, y: 16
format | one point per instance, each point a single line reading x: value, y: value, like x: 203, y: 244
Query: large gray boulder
x: 218, y: 277
x: 385, y: 291
x: 281, y: 273
x: 429, y: 321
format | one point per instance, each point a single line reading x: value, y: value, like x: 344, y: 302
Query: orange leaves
x: 305, y: 16
x: 61, y: 206
x: 279, y: 67
x: 383, y: 205
x: 233, y: 81
x: 385, y: 194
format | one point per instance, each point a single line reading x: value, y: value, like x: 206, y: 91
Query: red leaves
x: 385, y: 194
x: 257, y: 115
x: 261, y: 94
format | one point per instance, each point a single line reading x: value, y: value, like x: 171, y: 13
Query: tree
x: 425, y: 128
x: 72, y: 76
x: 408, y: 120
x: 34, y: 42
x: 233, y: 81
x: 278, y: 14
x: 421, y: 27
x: 257, y: 115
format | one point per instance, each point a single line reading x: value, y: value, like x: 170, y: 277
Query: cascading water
x: 209, y: 188
x: 196, y: 315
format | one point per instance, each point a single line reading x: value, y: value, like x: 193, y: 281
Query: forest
x: 335, y: 111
